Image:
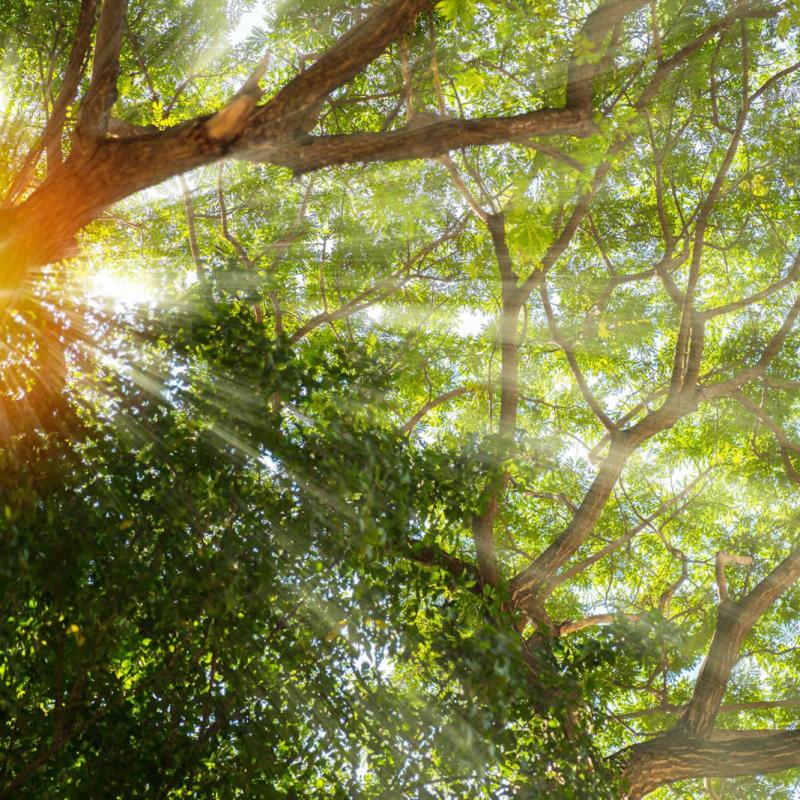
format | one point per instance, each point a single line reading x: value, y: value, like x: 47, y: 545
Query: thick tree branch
x: 527, y: 585
x: 92, y: 180
x: 428, y: 141
x: 735, y: 620
x: 583, y: 71
x: 483, y: 523
x: 50, y: 139
x: 102, y: 93
x: 435, y: 556
x: 361, y: 45
x: 672, y: 758
x: 69, y: 86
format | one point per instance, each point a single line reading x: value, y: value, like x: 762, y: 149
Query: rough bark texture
x: 735, y: 620
x: 672, y: 758
x: 102, y: 171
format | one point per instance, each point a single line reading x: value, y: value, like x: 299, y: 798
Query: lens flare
x: 120, y: 289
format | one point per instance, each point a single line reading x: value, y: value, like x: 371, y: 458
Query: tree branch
x: 573, y: 626
x: 361, y: 45
x: 527, y: 585
x: 50, y: 140
x: 722, y: 560
x: 791, y: 276
x: 102, y: 93
x: 672, y: 758
x: 188, y: 205
x: 725, y: 708
x: 483, y: 523
x: 734, y: 622
x: 569, y: 352
x: 773, y: 347
x: 90, y: 181
x: 434, y: 403
x: 435, y: 556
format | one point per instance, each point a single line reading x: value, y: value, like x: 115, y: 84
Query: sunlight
x: 249, y: 23
x: 400, y: 399
x: 120, y: 289
x: 471, y: 322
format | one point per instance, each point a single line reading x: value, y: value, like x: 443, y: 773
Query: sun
x: 120, y: 289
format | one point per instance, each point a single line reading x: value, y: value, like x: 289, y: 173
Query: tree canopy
x: 399, y: 400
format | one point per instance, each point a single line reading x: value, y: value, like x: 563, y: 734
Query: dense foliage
x: 388, y: 453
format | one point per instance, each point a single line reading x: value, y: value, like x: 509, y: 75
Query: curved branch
x: 528, y: 584
x: 431, y: 404
x: 361, y: 45
x: 791, y: 276
x: 722, y: 560
x: 732, y: 385
x: 573, y: 626
x: 569, y: 352
x: 670, y: 758
x: 735, y: 620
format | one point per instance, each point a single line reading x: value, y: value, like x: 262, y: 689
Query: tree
x: 452, y: 450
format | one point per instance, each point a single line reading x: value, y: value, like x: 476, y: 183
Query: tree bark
x: 101, y: 171
x: 672, y: 758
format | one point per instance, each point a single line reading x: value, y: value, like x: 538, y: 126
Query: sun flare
x: 120, y: 289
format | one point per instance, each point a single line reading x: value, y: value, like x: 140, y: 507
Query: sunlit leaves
x: 225, y: 549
